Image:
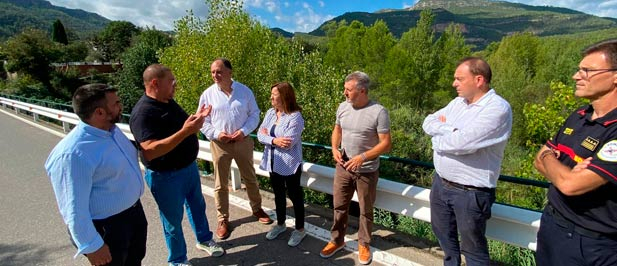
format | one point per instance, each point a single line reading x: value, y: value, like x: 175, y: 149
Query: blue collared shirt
x: 95, y: 174
x: 229, y: 114
x: 286, y: 160
x: 468, y: 147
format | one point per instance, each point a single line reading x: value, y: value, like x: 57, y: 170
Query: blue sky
x: 305, y: 16
x: 292, y: 16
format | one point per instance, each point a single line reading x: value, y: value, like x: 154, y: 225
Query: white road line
x: 320, y: 233
x: 314, y: 231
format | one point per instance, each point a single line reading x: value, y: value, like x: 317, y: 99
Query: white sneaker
x: 185, y: 263
x: 275, y: 231
x: 296, y: 238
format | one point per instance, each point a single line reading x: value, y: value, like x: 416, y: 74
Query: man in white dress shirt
x: 469, y: 137
x: 234, y: 116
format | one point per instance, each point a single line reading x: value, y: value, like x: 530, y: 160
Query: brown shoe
x: 330, y: 249
x: 364, y: 254
x: 262, y: 217
x: 222, y: 231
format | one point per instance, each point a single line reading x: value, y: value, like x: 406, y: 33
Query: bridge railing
x: 509, y: 224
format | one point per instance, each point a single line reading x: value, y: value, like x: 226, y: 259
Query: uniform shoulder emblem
x: 609, y: 151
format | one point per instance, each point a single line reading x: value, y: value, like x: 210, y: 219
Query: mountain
x: 282, y: 32
x: 483, y: 21
x: 17, y: 15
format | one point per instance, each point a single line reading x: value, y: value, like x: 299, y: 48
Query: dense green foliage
x: 135, y: 59
x: 113, y: 40
x: 260, y: 59
x: 31, y: 53
x: 412, y: 76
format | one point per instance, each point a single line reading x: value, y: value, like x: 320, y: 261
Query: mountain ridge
x: 482, y: 21
x: 17, y: 15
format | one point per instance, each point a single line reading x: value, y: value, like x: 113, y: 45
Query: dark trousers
x: 345, y: 184
x: 295, y: 193
x: 454, y: 210
x: 559, y: 243
x: 125, y: 233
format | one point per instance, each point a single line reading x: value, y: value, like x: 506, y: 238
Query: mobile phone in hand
x: 344, y: 156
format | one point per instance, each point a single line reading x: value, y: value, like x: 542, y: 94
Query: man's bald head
x: 155, y: 71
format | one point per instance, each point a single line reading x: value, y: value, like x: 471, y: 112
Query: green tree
x: 74, y: 52
x: 514, y: 66
x: 58, y: 34
x: 260, y: 58
x: 114, y: 39
x: 356, y: 47
x: 141, y: 54
x: 417, y: 67
x: 452, y: 48
x: 31, y: 53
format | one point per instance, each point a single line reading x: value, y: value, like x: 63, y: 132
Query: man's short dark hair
x: 608, y: 47
x: 478, y: 66
x: 225, y: 61
x: 361, y: 78
x: 89, y: 97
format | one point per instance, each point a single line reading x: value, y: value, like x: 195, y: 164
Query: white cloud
x: 405, y: 5
x: 307, y: 20
x: 253, y: 3
x: 271, y: 6
x: 606, y: 4
x: 592, y: 7
x: 142, y: 13
x: 321, y: 4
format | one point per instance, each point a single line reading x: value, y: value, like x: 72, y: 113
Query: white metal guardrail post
x: 508, y: 224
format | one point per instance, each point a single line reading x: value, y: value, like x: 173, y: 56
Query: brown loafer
x: 262, y: 217
x: 222, y: 231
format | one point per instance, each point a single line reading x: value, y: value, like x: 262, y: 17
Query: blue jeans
x: 172, y: 190
x: 455, y: 210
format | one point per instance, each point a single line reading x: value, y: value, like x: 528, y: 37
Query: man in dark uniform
x: 579, y: 223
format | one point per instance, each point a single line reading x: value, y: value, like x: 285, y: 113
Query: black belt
x: 563, y: 222
x: 467, y: 187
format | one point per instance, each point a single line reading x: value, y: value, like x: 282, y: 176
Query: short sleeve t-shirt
x: 154, y: 120
x: 360, y: 129
x: 581, y: 137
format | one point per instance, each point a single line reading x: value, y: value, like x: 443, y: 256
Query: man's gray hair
x: 361, y: 78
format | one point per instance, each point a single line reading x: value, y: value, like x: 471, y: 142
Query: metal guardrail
x: 509, y: 224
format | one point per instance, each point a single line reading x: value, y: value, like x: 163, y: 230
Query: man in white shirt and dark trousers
x: 234, y: 116
x: 469, y: 137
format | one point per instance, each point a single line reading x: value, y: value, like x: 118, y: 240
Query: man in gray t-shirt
x: 362, y: 130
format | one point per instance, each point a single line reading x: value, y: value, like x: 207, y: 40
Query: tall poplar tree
x: 58, y: 34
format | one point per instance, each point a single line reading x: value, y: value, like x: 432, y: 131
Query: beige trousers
x: 242, y: 153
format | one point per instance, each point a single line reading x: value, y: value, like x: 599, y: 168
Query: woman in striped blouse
x: 281, y: 133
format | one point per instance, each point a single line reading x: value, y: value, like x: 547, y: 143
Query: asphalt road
x: 32, y: 231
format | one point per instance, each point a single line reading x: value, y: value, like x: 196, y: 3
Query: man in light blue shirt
x: 234, y: 116
x: 97, y: 182
x: 469, y: 137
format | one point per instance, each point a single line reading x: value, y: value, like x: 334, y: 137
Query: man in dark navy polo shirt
x: 579, y: 224
x: 168, y: 148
